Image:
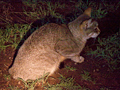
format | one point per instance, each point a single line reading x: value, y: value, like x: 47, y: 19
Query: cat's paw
x: 81, y: 59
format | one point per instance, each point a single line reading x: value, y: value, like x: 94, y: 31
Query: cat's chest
x: 80, y: 42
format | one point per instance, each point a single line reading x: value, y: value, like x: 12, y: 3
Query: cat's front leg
x: 77, y: 59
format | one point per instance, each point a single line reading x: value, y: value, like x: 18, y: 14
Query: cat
x: 51, y: 44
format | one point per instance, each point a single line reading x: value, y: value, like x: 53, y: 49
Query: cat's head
x: 90, y: 28
x: 84, y: 26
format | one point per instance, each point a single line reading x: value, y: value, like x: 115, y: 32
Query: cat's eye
x: 95, y: 24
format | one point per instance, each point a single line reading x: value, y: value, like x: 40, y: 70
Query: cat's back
x: 49, y: 34
x: 51, y: 30
x: 43, y: 40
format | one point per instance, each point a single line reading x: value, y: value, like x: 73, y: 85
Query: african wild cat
x: 52, y: 43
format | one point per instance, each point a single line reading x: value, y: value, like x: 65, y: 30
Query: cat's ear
x: 88, y: 11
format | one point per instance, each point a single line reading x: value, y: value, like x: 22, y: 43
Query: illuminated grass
x: 109, y: 50
x: 68, y: 68
x: 12, y: 35
x: 65, y: 84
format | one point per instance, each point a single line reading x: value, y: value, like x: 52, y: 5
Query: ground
x: 101, y: 74
x: 101, y: 78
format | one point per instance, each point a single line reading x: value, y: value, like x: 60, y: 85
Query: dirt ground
x: 98, y: 70
x: 101, y: 74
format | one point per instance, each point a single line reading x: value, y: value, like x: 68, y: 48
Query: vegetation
x: 7, y: 77
x: 65, y: 83
x: 68, y: 68
x: 108, y: 49
x: 87, y: 77
x: 38, y: 11
x: 13, y: 33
